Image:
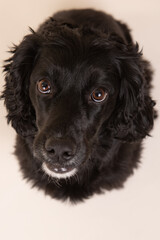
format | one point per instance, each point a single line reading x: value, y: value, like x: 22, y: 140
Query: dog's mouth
x: 58, y: 171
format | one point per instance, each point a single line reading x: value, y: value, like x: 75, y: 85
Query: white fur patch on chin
x: 58, y: 175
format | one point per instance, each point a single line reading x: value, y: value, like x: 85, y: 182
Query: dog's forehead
x: 69, y: 69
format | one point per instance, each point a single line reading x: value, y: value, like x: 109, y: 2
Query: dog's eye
x: 44, y: 86
x: 99, y: 95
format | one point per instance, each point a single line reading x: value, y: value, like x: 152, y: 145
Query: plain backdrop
x: 132, y: 213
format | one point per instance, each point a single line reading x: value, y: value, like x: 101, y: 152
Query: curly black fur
x: 78, y: 51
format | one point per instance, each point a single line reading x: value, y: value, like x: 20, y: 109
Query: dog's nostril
x: 49, y: 148
x: 51, y: 151
x: 67, y: 155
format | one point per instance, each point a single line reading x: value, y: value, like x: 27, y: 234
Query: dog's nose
x: 60, y: 149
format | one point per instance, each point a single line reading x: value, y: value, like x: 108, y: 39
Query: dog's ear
x: 16, y: 93
x: 133, y: 117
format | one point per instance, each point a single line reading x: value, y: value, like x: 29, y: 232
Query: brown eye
x: 44, y: 86
x: 99, y: 95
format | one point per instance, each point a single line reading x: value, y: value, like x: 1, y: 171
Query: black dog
x: 77, y: 93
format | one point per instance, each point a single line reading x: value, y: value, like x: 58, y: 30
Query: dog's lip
x: 59, y: 172
x: 58, y: 168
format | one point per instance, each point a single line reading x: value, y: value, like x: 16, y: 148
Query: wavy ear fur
x: 133, y: 117
x: 16, y: 94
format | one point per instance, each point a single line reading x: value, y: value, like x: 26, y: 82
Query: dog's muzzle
x: 60, y: 157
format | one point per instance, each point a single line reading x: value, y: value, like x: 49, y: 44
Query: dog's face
x: 74, y: 93
x: 72, y: 102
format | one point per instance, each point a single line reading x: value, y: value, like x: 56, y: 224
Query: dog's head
x: 73, y: 88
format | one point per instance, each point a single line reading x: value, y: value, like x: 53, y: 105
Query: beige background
x: 129, y: 214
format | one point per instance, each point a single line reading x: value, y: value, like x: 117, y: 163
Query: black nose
x: 60, y: 149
